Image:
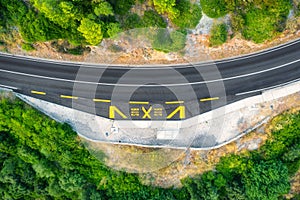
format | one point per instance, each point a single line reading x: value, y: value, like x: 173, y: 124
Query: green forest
x: 87, y: 22
x: 43, y: 159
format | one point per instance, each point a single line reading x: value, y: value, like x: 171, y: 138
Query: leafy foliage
x: 166, y: 7
x: 91, y: 31
x: 153, y: 19
x: 263, y: 23
x: 214, y: 8
x: 260, y: 174
x: 42, y: 159
x: 266, y: 180
x: 27, y: 47
x: 259, y: 20
x: 103, y: 8
x: 190, y: 14
x: 122, y: 7
x: 218, y: 34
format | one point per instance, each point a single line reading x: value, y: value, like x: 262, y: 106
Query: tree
x: 214, y: 8
x: 153, y: 19
x: 266, y: 181
x: 91, y: 31
x: 103, y: 8
x: 166, y: 7
x: 121, y: 7
x: 113, y: 29
x: 190, y: 14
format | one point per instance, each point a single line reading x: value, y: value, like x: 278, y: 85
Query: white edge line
x: 9, y: 87
x: 123, y: 66
x: 268, y: 88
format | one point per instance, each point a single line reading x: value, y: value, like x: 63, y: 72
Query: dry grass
x: 295, y: 186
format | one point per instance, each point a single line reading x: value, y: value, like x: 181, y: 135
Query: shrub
x: 153, y: 19
x: 218, y: 34
x: 190, y: 14
x: 131, y: 21
x: 214, y: 8
x: 27, y: 47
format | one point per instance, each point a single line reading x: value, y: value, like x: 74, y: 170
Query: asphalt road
x: 156, y: 93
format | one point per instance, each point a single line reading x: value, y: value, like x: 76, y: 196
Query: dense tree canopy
x: 256, y: 20
x: 84, y: 23
x: 166, y: 7
x: 265, y: 21
x: 42, y: 159
x: 190, y: 14
x: 91, y: 31
x: 214, y: 8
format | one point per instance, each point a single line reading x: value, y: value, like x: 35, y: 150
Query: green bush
x: 122, y: 7
x: 131, y: 21
x: 190, y: 14
x: 214, y: 8
x: 27, y: 47
x: 153, y: 19
x: 168, y: 41
x: 218, y: 35
x: 264, y: 20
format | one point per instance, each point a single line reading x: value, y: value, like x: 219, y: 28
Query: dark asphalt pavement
x: 176, y: 92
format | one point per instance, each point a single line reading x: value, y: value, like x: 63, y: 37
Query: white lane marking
x: 267, y: 88
x: 120, y: 66
x: 10, y: 87
x: 166, y: 85
x: 259, y: 53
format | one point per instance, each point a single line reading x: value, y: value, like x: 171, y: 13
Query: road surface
x: 156, y: 93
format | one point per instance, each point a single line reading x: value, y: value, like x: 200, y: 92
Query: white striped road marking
x: 119, y: 66
x: 9, y: 87
x: 166, y: 85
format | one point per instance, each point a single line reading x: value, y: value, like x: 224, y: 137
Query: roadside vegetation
x: 255, y: 20
x: 42, y: 159
x: 219, y: 34
x: 82, y: 23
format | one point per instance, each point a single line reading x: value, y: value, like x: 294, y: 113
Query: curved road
x: 166, y: 92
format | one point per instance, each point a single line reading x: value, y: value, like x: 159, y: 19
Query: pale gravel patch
x: 213, y: 129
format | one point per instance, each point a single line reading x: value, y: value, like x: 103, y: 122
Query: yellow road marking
x: 181, y: 110
x: 102, y: 100
x: 147, y: 112
x: 138, y: 102
x: 174, y: 102
x: 113, y: 110
x: 209, y: 99
x: 38, y: 92
x: 68, y: 97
